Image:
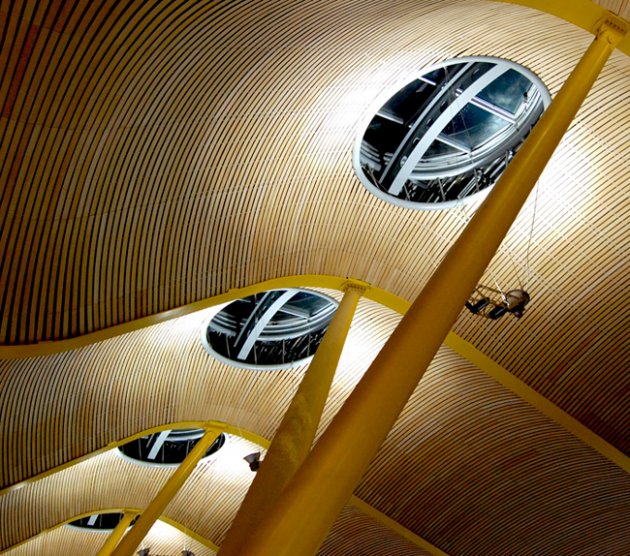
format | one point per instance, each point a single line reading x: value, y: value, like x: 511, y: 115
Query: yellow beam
x: 133, y: 511
x: 395, y: 527
x: 581, y: 13
x: 374, y: 293
x: 294, y: 437
x: 354, y: 501
x: 327, y: 477
x: 388, y: 299
x: 148, y: 517
x: 304, y: 280
x: 542, y: 404
x: 116, y: 534
x: 208, y: 425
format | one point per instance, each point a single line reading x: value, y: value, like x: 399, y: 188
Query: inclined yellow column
x: 149, y: 516
x: 300, y: 519
x: 116, y: 534
x: 295, y: 435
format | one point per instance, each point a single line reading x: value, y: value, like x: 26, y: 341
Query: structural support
x: 116, y: 534
x: 146, y: 520
x: 294, y: 437
x: 298, y: 522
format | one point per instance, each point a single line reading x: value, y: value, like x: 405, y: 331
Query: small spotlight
x: 497, y: 312
x: 494, y: 304
x: 474, y: 308
x: 253, y: 460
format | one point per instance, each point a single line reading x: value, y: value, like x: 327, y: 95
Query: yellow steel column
x: 116, y: 534
x: 300, y: 519
x: 149, y: 516
x: 295, y: 435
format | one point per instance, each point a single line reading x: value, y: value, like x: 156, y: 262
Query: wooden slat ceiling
x: 207, y: 503
x: 357, y: 534
x: 354, y: 533
x: 150, y: 150
x: 464, y: 457
x: 155, y: 153
x: 152, y: 377
x: 162, y: 540
x: 619, y: 7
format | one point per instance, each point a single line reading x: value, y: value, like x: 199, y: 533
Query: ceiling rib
x: 364, y: 507
x: 396, y: 527
x: 583, y: 13
x: 394, y: 302
x: 542, y: 404
x: 176, y: 524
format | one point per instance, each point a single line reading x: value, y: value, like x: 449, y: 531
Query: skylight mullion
x: 254, y: 331
x: 157, y: 445
x: 443, y: 138
x: 427, y: 80
x: 387, y: 115
x: 493, y: 109
x: 440, y: 93
x: 494, y: 121
x: 440, y: 123
x: 295, y: 311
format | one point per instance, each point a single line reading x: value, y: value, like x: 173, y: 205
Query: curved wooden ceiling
x: 155, y: 154
x: 162, y: 539
x: 619, y: 7
x: 463, y: 442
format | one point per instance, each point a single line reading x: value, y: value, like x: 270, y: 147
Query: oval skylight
x: 99, y: 522
x: 169, y: 447
x: 270, y: 330
x: 450, y: 133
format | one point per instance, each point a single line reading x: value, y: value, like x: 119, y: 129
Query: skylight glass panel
x: 448, y: 135
x: 271, y: 330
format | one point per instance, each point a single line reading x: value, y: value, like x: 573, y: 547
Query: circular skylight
x: 270, y: 330
x: 449, y: 134
x: 168, y: 447
x: 100, y: 522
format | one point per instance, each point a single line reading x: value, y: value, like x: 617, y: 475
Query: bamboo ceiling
x: 154, y: 154
x: 163, y: 540
x: 619, y: 7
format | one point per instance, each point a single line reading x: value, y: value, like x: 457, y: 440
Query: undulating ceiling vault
x: 158, y: 159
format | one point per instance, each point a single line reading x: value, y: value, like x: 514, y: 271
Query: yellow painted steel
x: 116, y: 534
x: 581, y: 13
x: 133, y: 538
x: 388, y: 299
x: 134, y: 511
x: 206, y: 425
x: 303, y: 280
x: 232, y: 430
x: 297, y: 524
x: 294, y: 437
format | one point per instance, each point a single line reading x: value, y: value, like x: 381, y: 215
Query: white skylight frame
x: 500, y: 146
x: 287, y: 333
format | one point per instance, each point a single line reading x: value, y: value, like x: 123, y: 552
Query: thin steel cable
x: 529, y: 241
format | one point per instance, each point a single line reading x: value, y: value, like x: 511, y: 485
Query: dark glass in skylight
x: 99, y: 522
x: 270, y: 330
x: 450, y: 133
x: 169, y: 447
